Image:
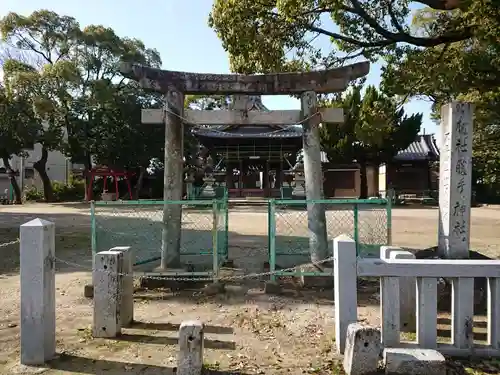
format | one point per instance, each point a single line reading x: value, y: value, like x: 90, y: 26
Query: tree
x: 373, y: 132
x: 259, y: 35
x: 466, y: 71
x: 17, y: 130
x: 85, y: 99
x: 48, y: 39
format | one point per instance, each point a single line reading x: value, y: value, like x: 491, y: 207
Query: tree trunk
x: 363, y: 180
x: 13, y: 181
x: 87, y: 166
x: 41, y: 167
x: 140, y: 180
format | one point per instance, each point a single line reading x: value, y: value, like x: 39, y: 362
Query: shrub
x: 33, y: 194
x: 73, y: 191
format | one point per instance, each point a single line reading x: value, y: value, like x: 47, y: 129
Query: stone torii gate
x: 174, y: 85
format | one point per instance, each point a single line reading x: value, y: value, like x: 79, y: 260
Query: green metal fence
x: 139, y: 224
x: 367, y: 221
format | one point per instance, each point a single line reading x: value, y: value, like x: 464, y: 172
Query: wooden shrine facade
x: 254, y: 159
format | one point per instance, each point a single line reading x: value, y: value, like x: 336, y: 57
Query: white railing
x: 347, y: 268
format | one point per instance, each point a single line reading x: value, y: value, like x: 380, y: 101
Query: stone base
x: 398, y: 361
x: 228, y: 263
x: 88, y: 291
x: 213, y: 289
x: 161, y: 278
x: 272, y: 287
x: 315, y: 281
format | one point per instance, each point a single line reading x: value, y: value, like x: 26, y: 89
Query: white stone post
x: 316, y: 218
x: 190, y: 357
x: 407, y: 290
x: 127, y: 286
x: 345, y: 278
x: 108, y: 281
x: 173, y: 180
x: 455, y: 183
x: 38, y: 289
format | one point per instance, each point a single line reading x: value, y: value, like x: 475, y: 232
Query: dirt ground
x: 248, y: 332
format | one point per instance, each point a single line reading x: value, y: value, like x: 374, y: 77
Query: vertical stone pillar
x: 172, y: 188
x: 313, y: 178
x: 38, y: 289
x: 108, y: 284
x: 455, y: 183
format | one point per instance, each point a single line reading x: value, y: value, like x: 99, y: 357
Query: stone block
x: 108, y: 266
x: 362, y: 350
x: 190, y: 357
x: 399, y: 361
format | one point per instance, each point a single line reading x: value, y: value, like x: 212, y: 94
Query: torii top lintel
x: 325, y: 81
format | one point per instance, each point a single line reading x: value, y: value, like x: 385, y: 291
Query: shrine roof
x: 423, y: 148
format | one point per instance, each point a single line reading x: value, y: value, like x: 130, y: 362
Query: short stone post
x: 345, y: 279
x: 407, y: 287
x: 190, y: 358
x: 127, y: 290
x: 108, y: 282
x: 455, y: 180
x: 38, y: 290
x: 362, y: 352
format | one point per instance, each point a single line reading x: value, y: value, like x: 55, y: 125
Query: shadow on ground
x: 81, y: 365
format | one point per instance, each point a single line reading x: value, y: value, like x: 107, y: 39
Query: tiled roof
x: 248, y: 131
x: 423, y: 148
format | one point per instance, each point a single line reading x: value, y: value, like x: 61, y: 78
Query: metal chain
x: 9, y: 243
x: 194, y: 277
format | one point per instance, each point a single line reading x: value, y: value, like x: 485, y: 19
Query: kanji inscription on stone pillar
x: 455, y: 180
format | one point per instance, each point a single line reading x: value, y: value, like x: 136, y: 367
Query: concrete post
x: 108, y: 282
x: 190, y: 358
x: 313, y: 178
x: 38, y: 290
x: 173, y: 179
x: 407, y: 288
x: 345, y: 278
x: 127, y: 286
x: 455, y: 183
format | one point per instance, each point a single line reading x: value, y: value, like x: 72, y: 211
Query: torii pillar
x: 175, y: 84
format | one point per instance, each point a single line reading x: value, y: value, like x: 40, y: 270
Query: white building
x: 59, y: 168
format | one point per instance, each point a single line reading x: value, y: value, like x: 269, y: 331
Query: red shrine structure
x: 106, y: 172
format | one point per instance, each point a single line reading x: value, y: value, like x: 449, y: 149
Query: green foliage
x: 465, y: 71
x: 71, y: 192
x: 274, y: 35
x: 373, y: 132
x: 68, y: 77
x: 374, y: 129
x: 33, y: 194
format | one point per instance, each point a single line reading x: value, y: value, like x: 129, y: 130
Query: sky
x: 178, y: 30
